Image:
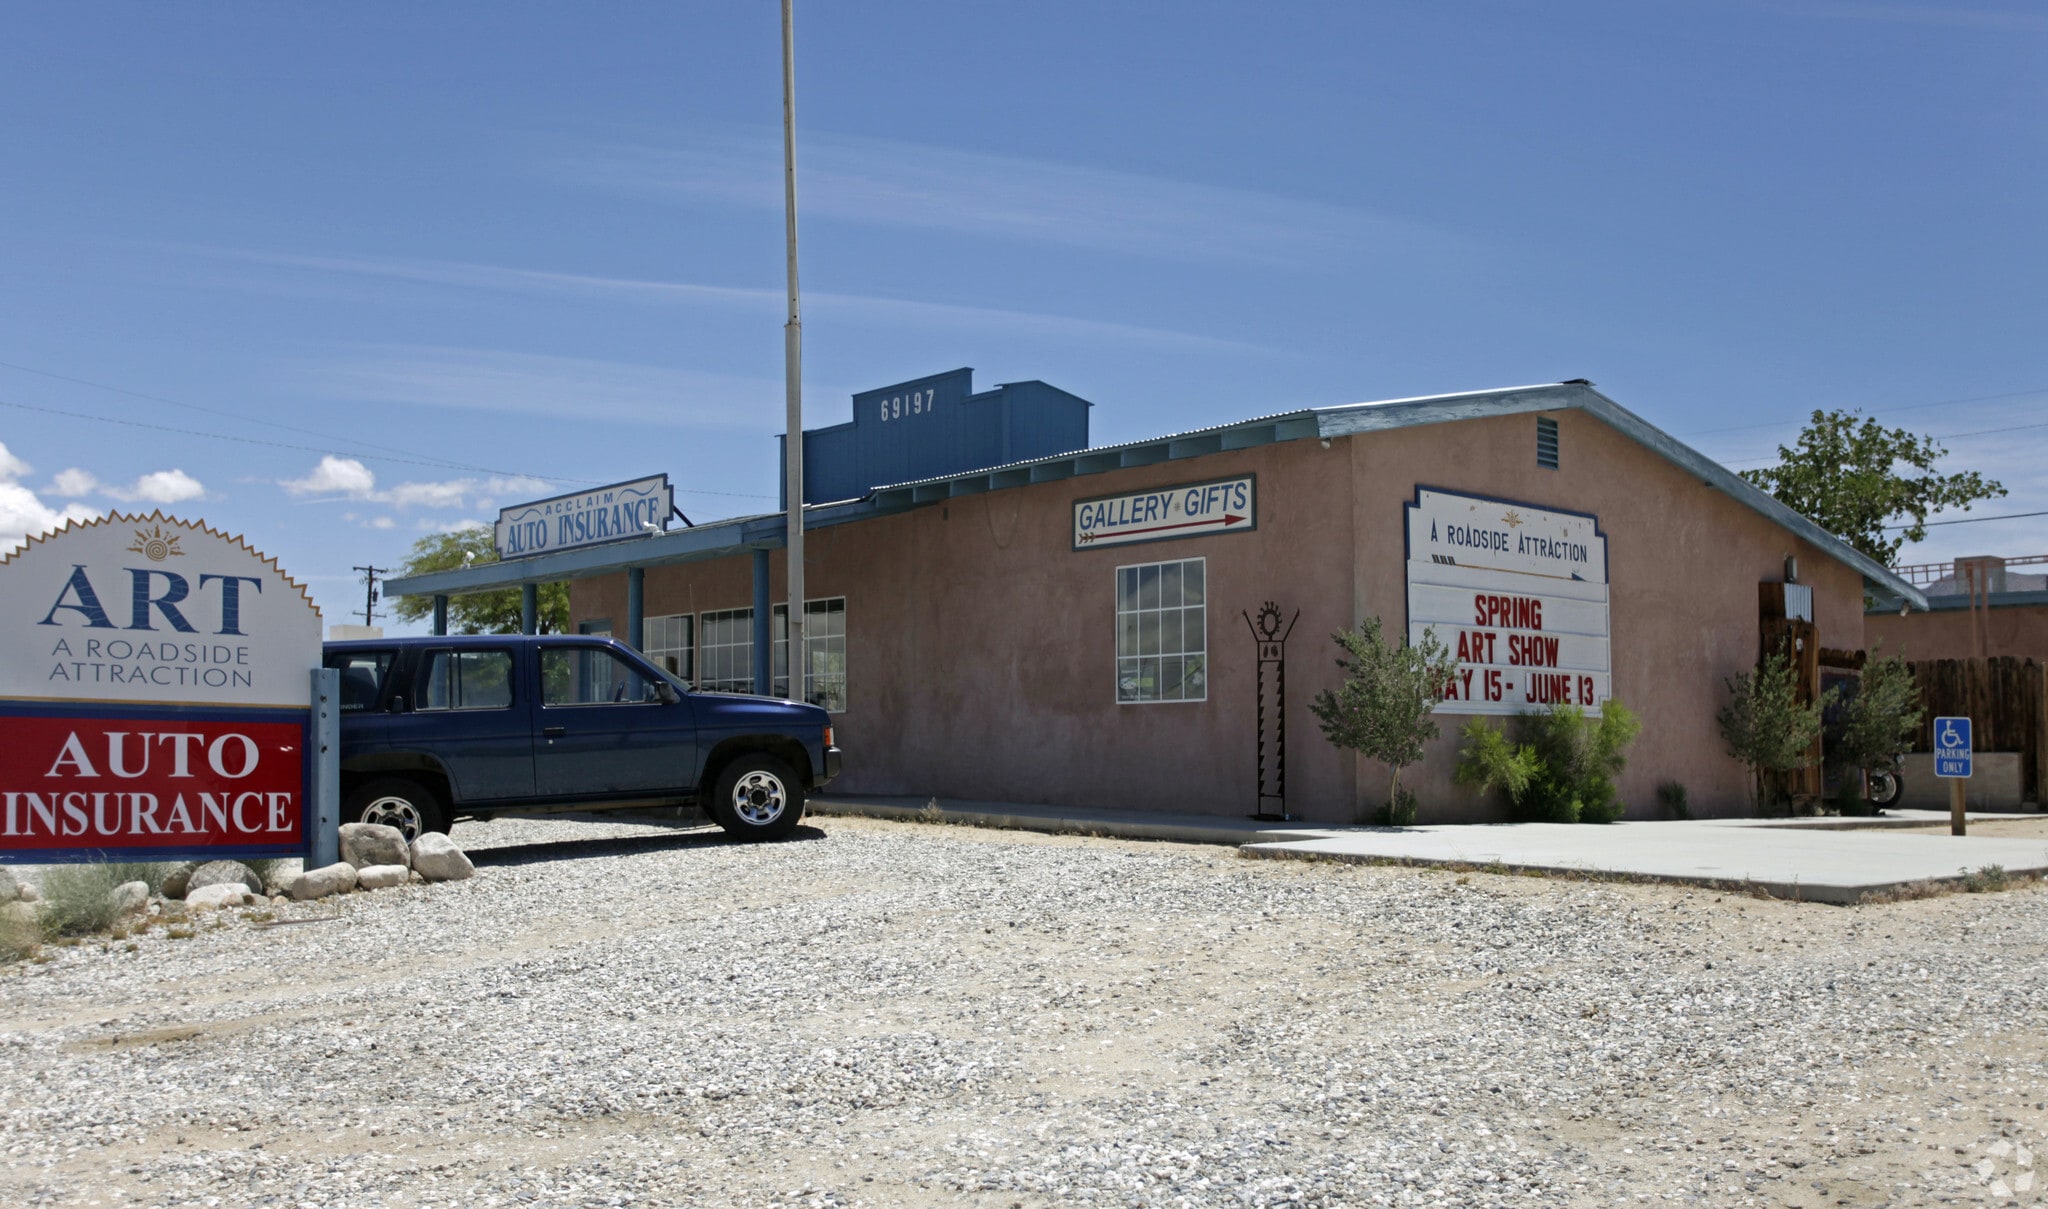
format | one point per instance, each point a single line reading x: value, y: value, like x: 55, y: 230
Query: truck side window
x: 362, y: 676
x: 465, y: 680
x: 588, y: 676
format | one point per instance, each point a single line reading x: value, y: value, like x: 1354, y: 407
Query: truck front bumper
x: 831, y: 768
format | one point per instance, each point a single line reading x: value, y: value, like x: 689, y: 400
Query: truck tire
x: 756, y: 797
x: 396, y: 802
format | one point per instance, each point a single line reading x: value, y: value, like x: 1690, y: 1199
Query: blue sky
x: 420, y: 261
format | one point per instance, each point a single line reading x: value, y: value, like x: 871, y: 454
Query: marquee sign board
x: 585, y: 518
x: 1165, y: 513
x: 1519, y: 594
x: 154, y: 694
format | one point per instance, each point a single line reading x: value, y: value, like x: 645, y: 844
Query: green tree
x: 1764, y: 724
x: 1382, y: 709
x: 1852, y: 478
x: 1878, y: 724
x: 478, y: 612
x: 1561, y: 766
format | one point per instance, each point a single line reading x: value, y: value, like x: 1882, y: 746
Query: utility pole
x: 370, y: 575
x: 792, y: 357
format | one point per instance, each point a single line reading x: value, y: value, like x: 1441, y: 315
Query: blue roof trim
x: 765, y: 532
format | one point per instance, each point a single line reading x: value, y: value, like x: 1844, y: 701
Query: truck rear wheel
x: 757, y: 798
x: 396, y: 802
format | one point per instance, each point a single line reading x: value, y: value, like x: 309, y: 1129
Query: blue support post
x: 440, y: 616
x: 529, y: 608
x: 323, y: 846
x: 636, y: 607
x: 763, y: 677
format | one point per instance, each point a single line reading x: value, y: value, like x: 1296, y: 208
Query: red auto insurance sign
x: 155, y: 693
x: 88, y: 784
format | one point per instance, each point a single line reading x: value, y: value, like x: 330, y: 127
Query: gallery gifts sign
x: 154, y: 695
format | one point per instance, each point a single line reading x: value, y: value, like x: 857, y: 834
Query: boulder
x: 128, y: 898
x: 177, y: 881
x: 365, y: 844
x: 28, y: 893
x: 223, y: 873
x: 381, y: 877
x: 338, y: 878
x: 436, y: 858
x: 218, y: 896
x: 10, y: 890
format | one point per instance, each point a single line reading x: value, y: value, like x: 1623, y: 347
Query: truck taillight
x: 828, y: 736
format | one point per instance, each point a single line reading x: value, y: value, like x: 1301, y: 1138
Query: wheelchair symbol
x: 1951, y: 737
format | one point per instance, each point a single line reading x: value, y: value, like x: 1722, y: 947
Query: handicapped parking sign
x: 1951, y: 747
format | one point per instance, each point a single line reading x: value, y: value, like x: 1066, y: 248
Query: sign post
x: 1952, y: 762
x: 153, y: 696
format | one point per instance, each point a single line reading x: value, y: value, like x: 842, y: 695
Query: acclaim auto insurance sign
x: 1518, y: 593
x: 154, y: 694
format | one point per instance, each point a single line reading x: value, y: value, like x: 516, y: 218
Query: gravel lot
x: 900, y: 1014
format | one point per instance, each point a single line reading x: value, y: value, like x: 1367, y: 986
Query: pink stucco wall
x: 2017, y: 630
x: 981, y: 647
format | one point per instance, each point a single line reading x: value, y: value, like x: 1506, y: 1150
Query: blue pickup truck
x: 434, y: 729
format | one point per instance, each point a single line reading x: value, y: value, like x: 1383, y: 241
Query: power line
x: 1947, y: 436
x: 1974, y: 520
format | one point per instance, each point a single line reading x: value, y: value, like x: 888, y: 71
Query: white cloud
x: 972, y: 193
x: 334, y: 476
x: 158, y: 487
x: 348, y: 478
x: 22, y: 513
x: 73, y: 483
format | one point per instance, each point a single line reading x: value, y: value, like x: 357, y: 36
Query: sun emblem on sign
x: 1511, y: 518
x: 156, y: 545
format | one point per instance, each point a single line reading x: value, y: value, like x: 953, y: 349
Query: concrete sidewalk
x: 1835, y: 860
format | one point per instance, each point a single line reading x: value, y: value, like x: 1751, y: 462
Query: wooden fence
x: 2006, y: 700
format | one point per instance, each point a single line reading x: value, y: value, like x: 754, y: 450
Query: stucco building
x: 1076, y: 625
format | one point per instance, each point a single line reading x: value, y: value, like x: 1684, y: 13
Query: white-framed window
x: 725, y: 651
x: 1162, y: 632
x: 824, y: 652
x: 672, y: 644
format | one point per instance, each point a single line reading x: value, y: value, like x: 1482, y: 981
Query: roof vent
x: 1546, y: 442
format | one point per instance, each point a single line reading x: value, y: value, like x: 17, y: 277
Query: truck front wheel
x: 396, y: 802
x: 757, y: 798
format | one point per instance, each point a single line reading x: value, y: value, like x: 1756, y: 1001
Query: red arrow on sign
x: 1228, y: 519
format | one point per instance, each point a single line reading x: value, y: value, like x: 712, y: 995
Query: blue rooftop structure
x: 933, y: 426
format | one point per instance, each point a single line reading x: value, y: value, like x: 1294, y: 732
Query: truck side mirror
x: 667, y: 692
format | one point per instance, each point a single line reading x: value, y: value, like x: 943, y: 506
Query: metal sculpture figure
x: 1272, y: 713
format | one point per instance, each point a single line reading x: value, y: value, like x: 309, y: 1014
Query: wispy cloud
x: 1994, y: 20
x: 891, y: 183
x: 341, y: 478
x: 765, y: 302
x: 510, y: 383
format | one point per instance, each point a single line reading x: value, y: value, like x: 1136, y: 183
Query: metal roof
x: 765, y: 532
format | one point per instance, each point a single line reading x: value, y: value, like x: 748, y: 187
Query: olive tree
x: 1382, y: 709
x: 1764, y: 723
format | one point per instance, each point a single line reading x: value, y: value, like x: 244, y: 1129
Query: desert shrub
x: 1400, y: 812
x: 75, y: 896
x: 1671, y: 798
x: 1764, y: 724
x: 19, y: 937
x: 1559, y: 767
x: 1382, y: 708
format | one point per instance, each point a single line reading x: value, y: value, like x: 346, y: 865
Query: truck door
x: 603, y: 728
x: 467, y: 710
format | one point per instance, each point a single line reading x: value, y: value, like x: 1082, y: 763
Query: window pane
x: 1126, y: 680
x: 1197, y: 677
x: 1127, y: 634
x: 1191, y: 576
x: 1127, y: 589
x: 1170, y: 678
x: 1148, y: 679
x: 1169, y: 586
x: 1148, y: 633
x: 1169, y: 633
x: 1148, y: 587
x: 1194, y: 637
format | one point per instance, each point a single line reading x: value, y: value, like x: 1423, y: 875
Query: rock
x: 178, y: 880
x: 128, y: 898
x: 224, y: 873
x: 10, y: 890
x: 338, y: 878
x: 381, y: 877
x: 29, y: 893
x: 437, y: 859
x: 365, y: 844
x: 218, y: 896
